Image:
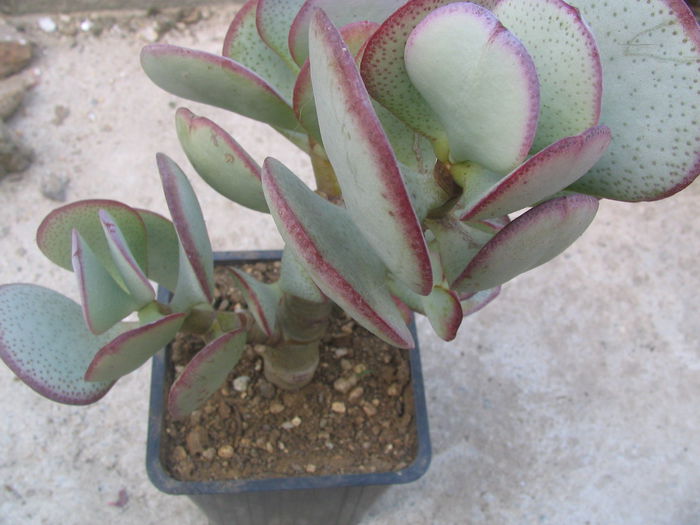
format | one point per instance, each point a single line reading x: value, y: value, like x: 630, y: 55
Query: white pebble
x: 47, y: 24
x: 240, y: 384
x: 86, y: 25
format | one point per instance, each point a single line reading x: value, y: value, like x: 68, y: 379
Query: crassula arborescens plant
x: 428, y: 123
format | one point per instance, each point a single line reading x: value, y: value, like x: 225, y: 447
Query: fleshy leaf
x: 162, y: 248
x: 220, y: 160
x: 532, y: 239
x: 444, y: 311
x: 650, y: 50
x: 217, y: 81
x: 487, y: 96
x: 44, y: 340
x: 549, y: 171
x: 205, y: 373
x: 296, y: 281
x: 196, y: 262
x: 105, y: 303
x: 472, y: 303
x: 567, y: 61
x: 373, y: 189
x: 244, y: 45
x: 262, y: 298
x: 384, y: 70
x: 336, y: 255
x: 274, y: 20
x: 55, y: 233
x: 129, y: 350
x: 456, y: 243
x: 341, y: 13
x: 136, y: 282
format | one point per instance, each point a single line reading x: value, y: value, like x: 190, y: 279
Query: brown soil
x: 356, y: 416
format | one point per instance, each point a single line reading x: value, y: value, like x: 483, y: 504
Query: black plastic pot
x: 303, y: 500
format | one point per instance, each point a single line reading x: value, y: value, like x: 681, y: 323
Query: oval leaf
x: 217, y: 81
x: 274, y: 19
x: 650, y: 52
x: 220, y: 160
x: 131, y: 349
x: 487, y: 97
x: 549, y: 171
x: 567, y: 61
x: 205, y: 373
x: 336, y: 255
x: 373, y: 188
x: 532, y: 239
x: 44, y: 340
x: 162, y: 248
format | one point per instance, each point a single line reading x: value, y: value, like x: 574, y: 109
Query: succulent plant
x: 431, y: 125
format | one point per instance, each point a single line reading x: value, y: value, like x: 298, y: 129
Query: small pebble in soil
x: 310, y: 468
x: 338, y: 407
x: 369, y: 409
x: 225, y: 452
x: 296, y: 421
x: 240, y: 384
x: 344, y: 384
x: 209, y: 453
x: 266, y: 389
x: 355, y: 394
x: 345, y: 364
x: 393, y: 390
x: 340, y: 352
x: 276, y: 408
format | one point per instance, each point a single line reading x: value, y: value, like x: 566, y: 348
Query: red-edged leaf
x: 263, y: 299
x: 472, y: 303
x: 373, y: 188
x: 162, y: 249
x: 274, y: 19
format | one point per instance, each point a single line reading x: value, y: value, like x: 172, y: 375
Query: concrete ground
x: 573, y: 399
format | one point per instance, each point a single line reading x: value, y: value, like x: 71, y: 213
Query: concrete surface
x: 23, y: 7
x: 573, y: 399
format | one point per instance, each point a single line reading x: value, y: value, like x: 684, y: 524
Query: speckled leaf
x: 129, y: 350
x: 549, y: 171
x: 384, y: 70
x: 262, y: 298
x: 456, y: 243
x: 411, y: 149
x: 51, y: 355
x: 650, y: 50
x: 336, y: 255
x: 341, y: 13
x: 373, y: 188
x: 567, y: 61
x: 487, y: 97
x: 135, y: 280
x: 205, y: 373
x: 295, y: 280
x: 162, y: 248
x: 274, y: 20
x: 105, y: 303
x: 532, y: 239
x: 472, y: 303
x: 54, y: 236
x: 244, y: 45
x: 196, y: 267
x: 217, y: 81
x: 220, y: 160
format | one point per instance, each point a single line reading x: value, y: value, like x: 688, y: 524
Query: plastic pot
x: 299, y: 500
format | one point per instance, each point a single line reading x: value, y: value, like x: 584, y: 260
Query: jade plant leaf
x: 104, y: 302
x: 341, y: 13
x: 567, y: 61
x: 336, y: 255
x: 531, y: 240
x: 205, y: 373
x: 135, y: 280
x: 542, y: 175
x: 373, y: 188
x: 384, y: 70
x: 55, y: 233
x: 296, y: 281
x: 651, y: 79
x: 52, y: 355
x: 196, y: 262
x: 217, y: 81
x: 220, y: 160
x: 263, y: 299
x: 162, y: 248
x: 274, y: 20
x: 129, y: 350
x: 244, y: 45
x: 472, y: 303
x: 487, y: 97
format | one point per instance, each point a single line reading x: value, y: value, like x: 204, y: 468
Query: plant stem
x: 291, y: 363
x: 326, y: 181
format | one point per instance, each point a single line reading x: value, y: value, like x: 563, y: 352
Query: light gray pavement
x: 573, y: 399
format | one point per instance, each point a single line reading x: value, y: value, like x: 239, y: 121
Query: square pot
x: 298, y: 500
